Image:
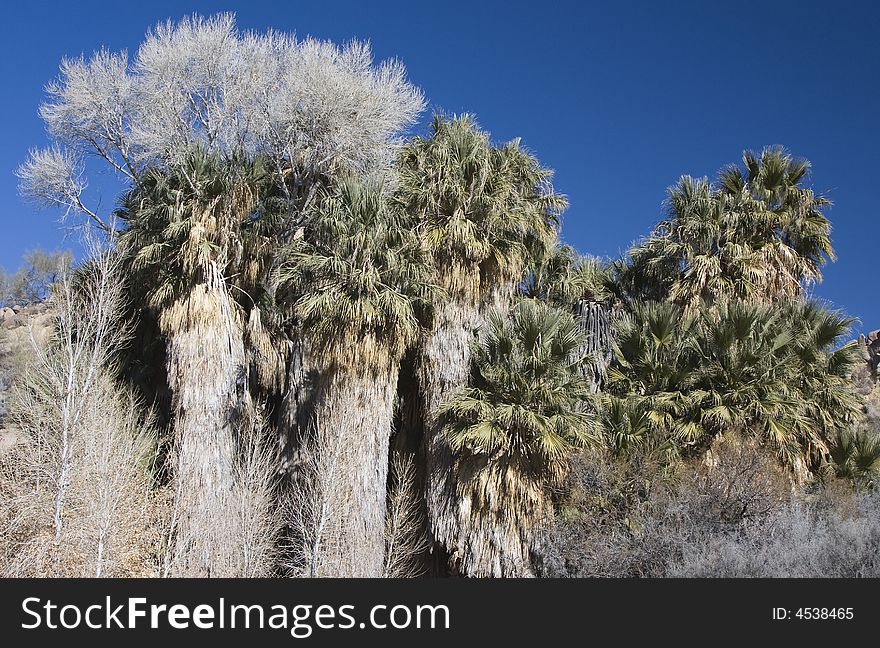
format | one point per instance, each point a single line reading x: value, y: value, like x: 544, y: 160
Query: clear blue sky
x: 620, y: 98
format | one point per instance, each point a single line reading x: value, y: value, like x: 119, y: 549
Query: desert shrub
x: 594, y: 534
x: 109, y: 519
x: 406, y: 539
x: 635, y: 517
x: 75, y: 489
x: 834, y: 535
x: 734, y: 515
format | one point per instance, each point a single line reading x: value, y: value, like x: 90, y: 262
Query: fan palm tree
x: 646, y: 401
x: 485, y: 212
x: 749, y: 383
x: 564, y: 278
x: 580, y: 285
x: 700, y: 254
x: 824, y: 365
x: 781, y: 374
x: 785, y: 218
x: 512, y: 431
x: 357, y: 285
x: 777, y: 374
x: 757, y: 235
x: 183, y: 241
x: 855, y: 456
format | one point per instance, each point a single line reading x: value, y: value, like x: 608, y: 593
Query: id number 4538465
x: 812, y: 614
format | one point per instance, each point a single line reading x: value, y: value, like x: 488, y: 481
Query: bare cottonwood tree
x: 76, y: 486
x: 310, y: 105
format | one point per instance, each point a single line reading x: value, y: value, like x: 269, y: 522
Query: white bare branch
x: 54, y: 177
x: 75, y: 490
x: 311, y: 104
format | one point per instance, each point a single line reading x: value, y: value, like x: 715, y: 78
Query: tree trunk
x: 356, y: 413
x: 595, y: 322
x: 207, y: 373
x: 408, y: 440
x: 443, y: 367
x: 497, y: 516
x: 297, y: 403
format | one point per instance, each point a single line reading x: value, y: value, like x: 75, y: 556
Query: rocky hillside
x: 20, y: 328
x: 867, y: 376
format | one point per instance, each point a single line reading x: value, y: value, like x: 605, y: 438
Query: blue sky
x: 620, y: 98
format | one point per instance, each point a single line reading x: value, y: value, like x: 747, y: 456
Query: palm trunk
x: 297, y: 403
x: 443, y: 367
x: 595, y: 321
x: 207, y: 373
x: 356, y: 413
x: 498, y: 515
x: 408, y: 441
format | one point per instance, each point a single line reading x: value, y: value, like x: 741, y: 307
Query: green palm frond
x: 523, y: 408
x: 361, y: 271
x: 855, y: 455
x: 758, y: 235
x: 488, y: 208
x: 181, y: 217
x: 776, y: 373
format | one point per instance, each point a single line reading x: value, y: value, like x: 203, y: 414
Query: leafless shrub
x: 737, y: 517
x: 625, y: 519
x: 825, y: 537
x: 239, y: 538
x: 76, y: 487
x: 740, y: 483
x: 594, y: 532
x: 315, y: 512
x: 405, y: 537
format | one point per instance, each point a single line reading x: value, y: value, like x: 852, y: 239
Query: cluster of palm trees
x: 756, y: 234
x: 368, y: 274
x: 777, y: 374
x: 424, y: 305
x: 456, y: 275
x: 719, y: 335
